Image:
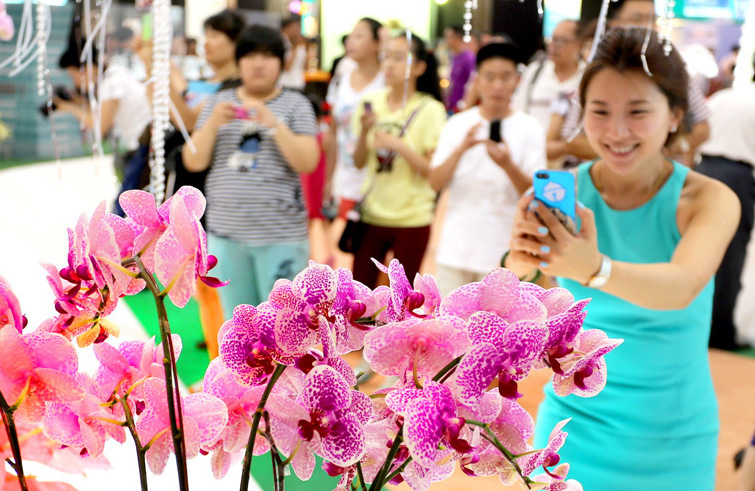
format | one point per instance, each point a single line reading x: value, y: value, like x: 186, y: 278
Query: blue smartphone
x: 557, y: 190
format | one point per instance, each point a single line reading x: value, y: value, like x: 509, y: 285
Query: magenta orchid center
x: 554, y: 354
x: 581, y: 375
x: 507, y: 385
x: 319, y: 422
x: 451, y: 434
x: 260, y: 357
x: 414, y: 300
x: 356, y: 311
x: 552, y: 459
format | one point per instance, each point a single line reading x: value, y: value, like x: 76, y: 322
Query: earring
x: 673, y: 128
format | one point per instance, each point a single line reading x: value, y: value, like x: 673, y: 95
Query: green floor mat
x: 192, y: 365
x: 747, y: 352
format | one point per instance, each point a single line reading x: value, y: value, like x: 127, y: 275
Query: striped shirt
x: 263, y: 204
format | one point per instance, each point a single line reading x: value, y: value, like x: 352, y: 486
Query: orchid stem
x: 246, y: 471
x: 447, y: 369
x: 141, y: 452
x: 380, y: 478
x: 171, y: 377
x: 491, y: 437
x: 399, y: 470
x: 360, y: 474
x: 10, y: 429
x: 279, y: 466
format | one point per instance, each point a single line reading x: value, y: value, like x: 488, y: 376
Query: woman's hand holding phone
x: 540, y: 240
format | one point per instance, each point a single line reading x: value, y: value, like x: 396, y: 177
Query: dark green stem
x: 245, y: 472
x: 279, y: 466
x: 10, y: 429
x: 360, y: 475
x: 141, y: 452
x: 447, y: 369
x: 491, y: 437
x: 171, y: 376
x: 383, y: 472
x: 399, y: 470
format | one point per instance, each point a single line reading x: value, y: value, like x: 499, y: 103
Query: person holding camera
x: 123, y: 108
x: 255, y: 140
x: 485, y: 157
x: 398, y: 130
x: 652, y: 235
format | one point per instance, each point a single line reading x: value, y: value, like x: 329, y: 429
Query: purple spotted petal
x: 422, y: 431
x: 235, y: 346
x: 487, y: 410
x: 564, y: 386
x: 527, y: 308
x: 53, y: 351
x: 318, y: 283
x: 555, y: 442
x: 442, y: 397
x: 285, y: 295
x: 479, y: 367
x: 361, y: 406
x: 325, y: 389
x: 174, y: 263
x: 533, y: 289
x: 486, y: 327
x: 344, y: 445
x: 524, y: 341
x: 141, y: 208
x: 399, y: 400
x: 292, y: 334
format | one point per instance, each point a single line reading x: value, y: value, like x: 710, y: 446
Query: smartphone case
x: 557, y: 189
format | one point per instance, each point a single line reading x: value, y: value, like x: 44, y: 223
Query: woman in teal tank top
x: 652, y: 236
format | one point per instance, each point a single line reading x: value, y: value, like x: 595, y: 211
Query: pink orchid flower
x: 499, y: 292
x: 242, y: 402
x: 204, y: 417
x: 10, y: 309
x: 6, y: 24
x: 403, y: 299
x: 171, y: 240
x: 428, y: 345
x: 353, y: 301
x: 499, y: 350
x: 584, y: 371
x: 327, y: 418
x: 301, y: 304
x: 430, y: 419
x: 84, y: 425
x: 547, y: 457
x: 37, y: 368
x: 556, y: 480
x: 248, y: 346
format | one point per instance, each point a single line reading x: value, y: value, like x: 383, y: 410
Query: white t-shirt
x: 347, y: 181
x: 547, y: 87
x: 133, y: 113
x: 293, y: 78
x: 732, y: 125
x: 481, y: 198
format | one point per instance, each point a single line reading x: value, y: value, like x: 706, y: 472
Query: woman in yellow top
x: 398, y: 130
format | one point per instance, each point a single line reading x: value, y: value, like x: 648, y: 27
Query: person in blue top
x: 652, y: 236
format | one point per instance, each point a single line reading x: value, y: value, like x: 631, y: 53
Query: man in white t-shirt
x: 295, y: 62
x: 484, y: 178
x: 560, y: 73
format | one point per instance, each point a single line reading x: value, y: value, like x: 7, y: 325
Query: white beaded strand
x: 665, y: 25
x: 469, y: 6
x: 41, y: 48
x: 162, y: 36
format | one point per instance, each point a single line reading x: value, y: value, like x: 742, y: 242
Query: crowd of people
x: 664, y: 182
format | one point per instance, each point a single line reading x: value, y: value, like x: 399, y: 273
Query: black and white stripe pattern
x: 263, y: 205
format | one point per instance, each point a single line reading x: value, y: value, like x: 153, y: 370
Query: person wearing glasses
x: 544, y: 81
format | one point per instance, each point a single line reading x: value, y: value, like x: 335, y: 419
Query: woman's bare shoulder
x: 704, y: 195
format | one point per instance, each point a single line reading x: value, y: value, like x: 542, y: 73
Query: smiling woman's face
x: 627, y: 119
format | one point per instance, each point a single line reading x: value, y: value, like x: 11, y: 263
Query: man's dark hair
x: 456, y: 29
x: 260, y: 39
x: 123, y: 33
x: 614, y: 7
x: 71, y: 56
x: 290, y: 20
x: 507, y: 51
x: 229, y: 22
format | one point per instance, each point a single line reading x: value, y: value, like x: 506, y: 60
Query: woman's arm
x: 713, y: 211
x: 419, y: 163
x: 204, y: 138
x: 367, y: 119
x: 300, y: 151
x: 84, y: 114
